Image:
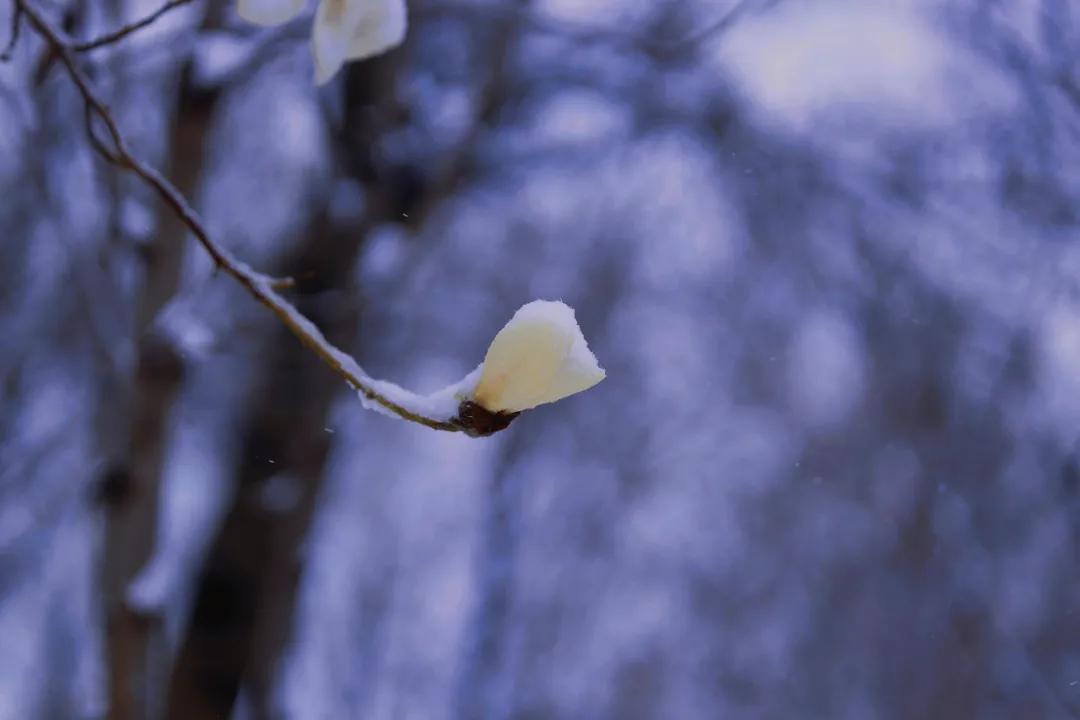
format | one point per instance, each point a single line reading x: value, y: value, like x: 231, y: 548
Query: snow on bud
x: 540, y: 356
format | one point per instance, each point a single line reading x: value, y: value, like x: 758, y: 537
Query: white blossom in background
x: 540, y: 356
x: 344, y: 30
x: 269, y: 12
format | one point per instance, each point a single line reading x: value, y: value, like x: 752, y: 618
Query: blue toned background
x: 828, y: 252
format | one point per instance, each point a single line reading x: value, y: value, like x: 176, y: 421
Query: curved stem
x: 260, y: 286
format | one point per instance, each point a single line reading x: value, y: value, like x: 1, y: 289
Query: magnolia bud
x: 540, y: 356
x: 347, y: 30
x: 344, y: 30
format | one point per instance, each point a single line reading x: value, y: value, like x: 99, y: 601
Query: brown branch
x: 260, y: 286
x: 13, y: 38
x: 123, y: 32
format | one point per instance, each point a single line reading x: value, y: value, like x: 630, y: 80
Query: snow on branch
x: 540, y: 355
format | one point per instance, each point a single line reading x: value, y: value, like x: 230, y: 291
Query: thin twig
x: 587, y: 33
x: 13, y: 38
x: 260, y: 286
x: 123, y: 32
x: 710, y: 31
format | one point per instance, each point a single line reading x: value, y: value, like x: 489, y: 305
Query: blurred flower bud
x: 353, y: 30
x: 269, y: 12
x: 344, y: 30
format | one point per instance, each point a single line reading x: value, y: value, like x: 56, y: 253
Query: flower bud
x: 353, y: 30
x: 540, y: 356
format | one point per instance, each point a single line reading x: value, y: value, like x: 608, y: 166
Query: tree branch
x: 587, y: 33
x: 123, y: 32
x: 710, y: 31
x: 261, y: 287
x: 13, y: 38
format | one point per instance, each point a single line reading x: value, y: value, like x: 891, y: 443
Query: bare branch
x: 713, y: 29
x: 123, y: 32
x: 587, y: 33
x: 13, y: 38
x: 261, y: 287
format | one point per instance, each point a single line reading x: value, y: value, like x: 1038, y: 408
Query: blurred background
x: 828, y: 252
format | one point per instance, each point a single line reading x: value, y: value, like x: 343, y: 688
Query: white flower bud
x: 540, y: 356
x: 353, y: 30
x: 344, y: 30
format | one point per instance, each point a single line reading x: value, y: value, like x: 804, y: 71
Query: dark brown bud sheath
x: 477, y: 421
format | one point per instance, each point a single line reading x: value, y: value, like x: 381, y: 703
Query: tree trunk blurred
x: 242, y: 617
x: 242, y: 612
x: 130, y: 486
x: 483, y: 658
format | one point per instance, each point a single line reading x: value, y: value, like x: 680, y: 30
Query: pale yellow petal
x: 525, y: 357
x: 352, y: 30
x: 579, y: 371
x: 382, y: 27
x: 330, y: 37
